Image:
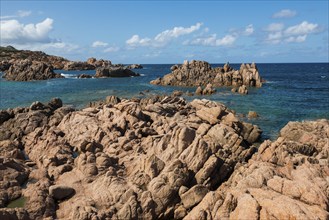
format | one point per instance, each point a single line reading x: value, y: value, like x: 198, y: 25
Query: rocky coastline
x: 200, y: 74
x: 25, y: 65
x: 159, y: 157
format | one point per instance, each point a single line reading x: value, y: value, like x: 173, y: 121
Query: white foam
x: 71, y: 76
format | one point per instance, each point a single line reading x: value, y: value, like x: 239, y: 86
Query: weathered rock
x: 252, y: 114
x: 13, y: 174
x: 135, y: 66
x: 84, y: 76
x: 114, y: 72
x: 59, y: 192
x: 26, y: 70
x: 200, y: 73
x: 208, y: 90
x: 162, y: 157
x: 198, y: 90
x: 73, y: 65
x: 280, y: 181
x: 243, y: 90
x: 193, y: 196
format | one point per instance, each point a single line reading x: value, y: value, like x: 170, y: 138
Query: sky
x: 170, y: 31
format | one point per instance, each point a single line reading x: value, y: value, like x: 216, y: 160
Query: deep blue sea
x: 293, y: 92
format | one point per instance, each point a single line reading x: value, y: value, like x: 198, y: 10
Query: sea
x: 292, y: 92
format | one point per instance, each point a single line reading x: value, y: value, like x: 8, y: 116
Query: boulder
x: 243, y: 90
x: 253, y: 114
x: 59, y: 192
x: 114, y: 72
x: 208, y: 90
x: 84, y: 76
x: 193, y: 196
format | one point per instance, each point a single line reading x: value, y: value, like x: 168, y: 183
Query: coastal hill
x: 158, y: 158
x: 26, y: 65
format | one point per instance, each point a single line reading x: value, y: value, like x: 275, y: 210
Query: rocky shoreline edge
x: 158, y: 157
x: 26, y: 65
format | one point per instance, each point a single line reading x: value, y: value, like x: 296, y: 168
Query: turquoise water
x: 293, y: 92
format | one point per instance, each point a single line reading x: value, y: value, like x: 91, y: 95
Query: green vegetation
x: 17, y: 203
x: 7, y: 49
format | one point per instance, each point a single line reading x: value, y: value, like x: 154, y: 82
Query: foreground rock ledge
x: 158, y: 157
x: 200, y: 73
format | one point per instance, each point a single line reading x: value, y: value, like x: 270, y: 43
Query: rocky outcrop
x: 208, y: 90
x: 200, y: 73
x: 286, y: 179
x: 135, y: 66
x: 159, y: 157
x: 84, y: 76
x: 114, y: 72
x: 26, y: 70
x: 136, y: 159
x: 10, y: 55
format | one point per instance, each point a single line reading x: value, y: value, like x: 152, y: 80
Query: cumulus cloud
x: 162, y: 38
x: 212, y: 40
x: 297, y: 39
x: 302, y: 28
x: 13, y: 32
x: 226, y: 40
x: 284, y: 13
x: 176, y: 32
x: 249, y: 30
x: 136, y: 41
x: 293, y: 34
x: 99, y: 44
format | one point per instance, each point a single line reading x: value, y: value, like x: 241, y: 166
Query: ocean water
x: 293, y: 92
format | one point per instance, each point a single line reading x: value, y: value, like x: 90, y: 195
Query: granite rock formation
x: 285, y: 179
x: 200, y: 73
x: 142, y: 158
x: 158, y: 157
x: 26, y: 70
x: 114, y: 72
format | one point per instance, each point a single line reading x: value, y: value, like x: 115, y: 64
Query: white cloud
x: 302, y: 28
x: 99, y: 44
x: 297, y: 39
x: 249, y: 30
x: 284, y: 13
x: 226, y: 41
x: 274, y: 38
x: 176, y: 32
x: 212, y: 40
x: 19, y: 14
x: 162, y: 38
x: 206, y: 41
x: 13, y: 32
x: 293, y: 34
x: 57, y: 48
x: 275, y: 27
x: 136, y: 41
x: 111, y: 49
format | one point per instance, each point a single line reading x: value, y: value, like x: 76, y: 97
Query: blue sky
x: 170, y: 31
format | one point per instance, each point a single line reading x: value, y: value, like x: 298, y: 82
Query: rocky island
x: 26, y: 65
x: 200, y: 73
x: 158, y: 158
